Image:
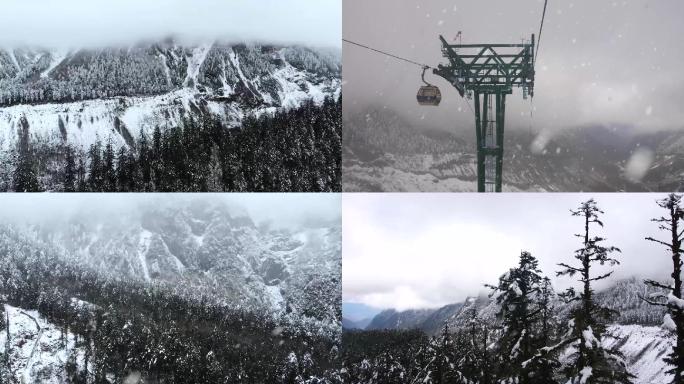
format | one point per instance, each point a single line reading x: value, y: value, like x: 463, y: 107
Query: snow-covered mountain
x: 161, y: 288
x: 382, y: 152
x: 623, y: 296
x: 215, y: 248
x: 636, y: 332
x: 80, y: 95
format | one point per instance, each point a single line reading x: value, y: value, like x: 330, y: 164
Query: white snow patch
x: 675, y: 301
x: 585, y: 374
x: 166, y: 69
x: 143, y: 247
x: 57, y: 58
x: 179, y: 264
x: 589, y: 339
x: 199, y: 54
x: 275, y: 297
x: 668, y: 323
x: 199, y: 240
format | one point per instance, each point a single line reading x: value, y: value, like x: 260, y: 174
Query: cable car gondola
x: 428, y: 94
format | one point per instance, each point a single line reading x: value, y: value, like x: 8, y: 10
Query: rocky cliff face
x: 212, y: 247
x: 82, y: 95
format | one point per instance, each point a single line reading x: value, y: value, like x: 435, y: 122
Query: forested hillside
x: 168, y: 117
x: 180, y: 294
x: 293, y: 150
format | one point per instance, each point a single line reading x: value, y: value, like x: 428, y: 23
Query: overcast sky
x: 281, y: 209
x: 426, y: 250
x: 601, y: 62
x: 76, y: 23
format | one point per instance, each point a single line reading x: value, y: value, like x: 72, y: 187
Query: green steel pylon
x: 488, y: 72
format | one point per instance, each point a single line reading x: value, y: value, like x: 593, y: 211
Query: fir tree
x: 441, y: 356
x: 24, y: 178
x: 81, y: 183
x: 591, y: 363
x: 108, y: 169
x: 95, y: 177
x: 516, y: 294
x: 671, y: 298
x: 69, y: 169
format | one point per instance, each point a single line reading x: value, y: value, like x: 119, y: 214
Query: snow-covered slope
x: 383, y: 152
x: 643, y: 348
x: 80, y: 96
x: 39, y: 350
x: 212, y: 248
x: 635, y: 333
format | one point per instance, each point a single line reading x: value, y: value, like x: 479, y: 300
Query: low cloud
x: 426, y: 250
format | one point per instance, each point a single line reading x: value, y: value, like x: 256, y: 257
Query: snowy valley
x: 384, y: 153
x: 167, y: 288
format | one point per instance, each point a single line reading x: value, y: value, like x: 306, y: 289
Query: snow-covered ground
x: 39, y: 350
x: 359, y: 178
x: 644, y: 349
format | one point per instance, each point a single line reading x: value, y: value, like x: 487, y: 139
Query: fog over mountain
x: 79, y: 23
x: 415, y: 251
x: 613, y: 63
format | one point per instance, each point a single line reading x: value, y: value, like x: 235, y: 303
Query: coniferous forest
x: 68, y: 319
x: 527, y: 332
x: 290, y: 150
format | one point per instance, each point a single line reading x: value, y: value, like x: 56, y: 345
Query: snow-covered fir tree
x: 590, y: 363
x: 670, y: 294
x: 518, y: 295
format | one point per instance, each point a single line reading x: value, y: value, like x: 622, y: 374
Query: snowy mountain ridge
x: 85, y: 95
x: 213, y: 249
x: 636, y: 333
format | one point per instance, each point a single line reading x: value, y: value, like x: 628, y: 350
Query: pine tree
x: 516, y: 294
x: 215, y: 176
x: 545, y: 362
x: 69, y: 169
x: 441, y: 356
x: 122, y: 170
x: 24, y: 178
x: 591, y: 363
x: 95, y: 177
x: 671, y: 298
x: 81, y: 183
x: 108, y: 169
x: 144, y: 161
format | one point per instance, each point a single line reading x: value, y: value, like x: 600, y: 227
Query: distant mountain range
x: 623, y: 295
x: 383, y: 152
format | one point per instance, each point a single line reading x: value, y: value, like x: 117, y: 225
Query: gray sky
x: 76, y: 23
x: 281, y: 209
x: 426, y: 250
x: 601, y: 62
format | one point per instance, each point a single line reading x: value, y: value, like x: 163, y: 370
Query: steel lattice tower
x: 488, y: 72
